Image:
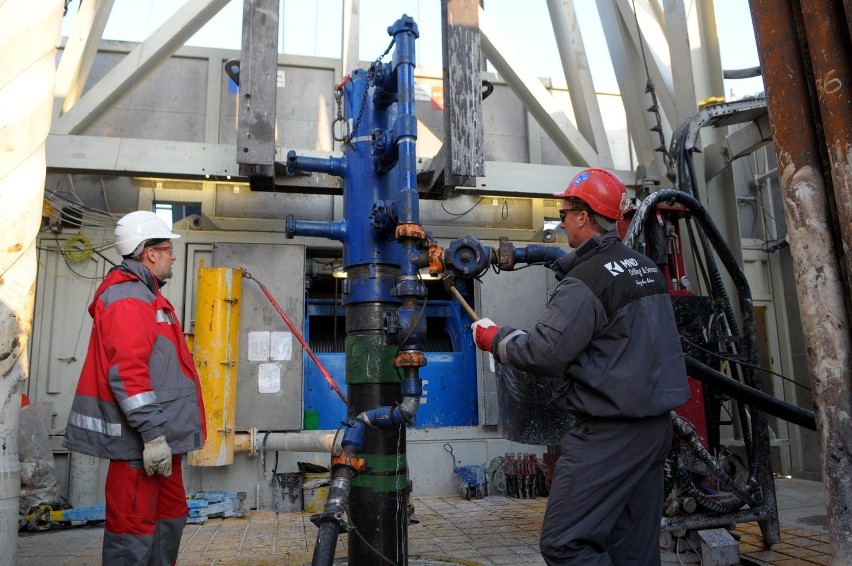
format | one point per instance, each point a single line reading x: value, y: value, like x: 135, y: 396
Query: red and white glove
x: 484, y: 331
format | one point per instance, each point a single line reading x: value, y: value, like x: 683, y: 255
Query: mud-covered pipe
x: 791, y: 98
x: 750, y: 396
x: 29, y: 34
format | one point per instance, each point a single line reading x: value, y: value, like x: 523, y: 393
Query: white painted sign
x: 258, y: 346
x: 268, y: 378
x: 281, y: 346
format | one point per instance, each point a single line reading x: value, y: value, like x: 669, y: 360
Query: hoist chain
x: 347, y: 133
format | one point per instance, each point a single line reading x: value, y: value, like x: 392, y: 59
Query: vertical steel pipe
x: 830, y: 50
x: 816, y: 266
x: 216, y: 351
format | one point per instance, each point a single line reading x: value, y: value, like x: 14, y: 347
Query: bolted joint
x: 506, y: 254
x: 342, y: 458
x: 433, y: 259
x: 405, y: 126
x: 333, y: 517
x: 410, y: 359
x: 410, y: 232
x: 381, y: 215
x: 409, y: 288
x: 383, y: 151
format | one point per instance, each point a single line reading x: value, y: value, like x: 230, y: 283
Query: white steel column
x: 80, y: 50
x: 29, y: 31
x: 575, y: 66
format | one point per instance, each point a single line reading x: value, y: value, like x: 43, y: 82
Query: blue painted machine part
x: 537, y: 253
x: 468, y: 257
x: 449, y: 386
x: 334, y: 230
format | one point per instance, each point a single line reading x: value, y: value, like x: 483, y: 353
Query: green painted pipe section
x: 369, y: 360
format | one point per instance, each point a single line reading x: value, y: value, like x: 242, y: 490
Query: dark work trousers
x: 145, y: 515
x: 606, y: 497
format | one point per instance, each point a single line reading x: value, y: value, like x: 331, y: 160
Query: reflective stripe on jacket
x: 138, y: 381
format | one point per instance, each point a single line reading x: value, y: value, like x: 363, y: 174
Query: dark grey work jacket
x: 607, y: 336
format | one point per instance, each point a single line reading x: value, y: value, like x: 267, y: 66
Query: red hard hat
x: 601, y: 190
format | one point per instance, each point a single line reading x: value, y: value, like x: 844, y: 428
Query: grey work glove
x: 157, y: 457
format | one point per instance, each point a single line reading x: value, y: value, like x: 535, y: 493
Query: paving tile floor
x: 494, y: 531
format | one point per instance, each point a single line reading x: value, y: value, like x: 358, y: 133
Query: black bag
x: 527, y: 411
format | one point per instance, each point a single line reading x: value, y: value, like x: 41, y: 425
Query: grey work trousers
x: 606, y: 497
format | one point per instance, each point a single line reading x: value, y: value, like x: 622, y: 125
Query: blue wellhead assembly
x: 384, y: 247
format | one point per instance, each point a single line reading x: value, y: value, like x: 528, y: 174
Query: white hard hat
x: 137, y: 227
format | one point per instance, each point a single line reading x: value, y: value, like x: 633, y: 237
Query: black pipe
x: 331, y: 521
x: 757, y: 399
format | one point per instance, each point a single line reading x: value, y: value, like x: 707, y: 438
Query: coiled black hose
x: 710, y: 233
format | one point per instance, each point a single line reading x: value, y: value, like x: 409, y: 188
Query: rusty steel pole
x: 816, y: 258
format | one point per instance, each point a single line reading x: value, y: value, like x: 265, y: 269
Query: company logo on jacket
x: 630, y: 266
x: 614, y: 268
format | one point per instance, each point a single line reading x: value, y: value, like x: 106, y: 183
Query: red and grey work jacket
x: 138, y: 380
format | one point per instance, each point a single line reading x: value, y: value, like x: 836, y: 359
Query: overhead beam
x: 530, y: 180
x: 535, y: 98
x: 137, y: 64
x: 139, y: 157
x: 96, y: 155
x: 581, y: 88
x: 79, y: 52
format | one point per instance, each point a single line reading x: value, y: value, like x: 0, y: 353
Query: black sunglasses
x: 564, y: 212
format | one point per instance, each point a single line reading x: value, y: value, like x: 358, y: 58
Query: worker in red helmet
x: 607, y: 339
x: 138, y: 401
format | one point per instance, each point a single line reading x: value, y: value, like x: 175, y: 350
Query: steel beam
x: 351, y: 22
x: 575, y: 66
x: 155, y: 158
x: 683, y: 86
x: 79, y: 52
x: 137, y: 64
x: 625, y: 62
x: 533, y: 95
x: 648, y: 38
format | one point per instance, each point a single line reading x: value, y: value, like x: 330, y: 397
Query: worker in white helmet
x: 138, y: 400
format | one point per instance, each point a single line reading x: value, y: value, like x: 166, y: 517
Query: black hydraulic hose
x: 757, y: 399
x: 643, y: 215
